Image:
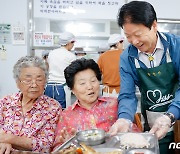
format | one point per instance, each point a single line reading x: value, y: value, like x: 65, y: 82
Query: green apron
x: 157, y: 87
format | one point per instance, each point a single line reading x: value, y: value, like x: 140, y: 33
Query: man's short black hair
x: 137, y: 12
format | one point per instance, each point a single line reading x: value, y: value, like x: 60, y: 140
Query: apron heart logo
x: 154, y: 96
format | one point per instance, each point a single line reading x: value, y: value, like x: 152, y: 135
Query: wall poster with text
x: 5, y: 33
x: 43, y: 39
x: 77, y: 9
x: 18, y: 35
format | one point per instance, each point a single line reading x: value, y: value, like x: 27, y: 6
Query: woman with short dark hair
x: 89, y: 110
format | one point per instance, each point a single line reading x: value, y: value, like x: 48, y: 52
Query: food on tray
x: 79, y: 151
x: 134, y: 140
x: 90, y: 150
x: 114, y: 152
x: 92, y: 136
x: 83, y: 150
x: 69, y: 150
x: 22, y: 152
x: 87, y: 149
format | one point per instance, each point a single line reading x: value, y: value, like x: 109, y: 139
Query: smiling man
x: 152, y: 62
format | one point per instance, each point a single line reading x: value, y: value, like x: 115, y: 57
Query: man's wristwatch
x: 171, y: 116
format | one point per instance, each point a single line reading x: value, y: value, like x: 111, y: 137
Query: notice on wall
x: 43, y: 39
x: 3, y: 52
x: 74, y: 9
x: 3, y: 55
x: 5, y: 34
x: 18, y: 35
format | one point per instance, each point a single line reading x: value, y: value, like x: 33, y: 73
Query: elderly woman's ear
x: 18, y: 84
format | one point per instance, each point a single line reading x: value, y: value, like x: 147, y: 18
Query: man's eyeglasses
x: 30, y: 82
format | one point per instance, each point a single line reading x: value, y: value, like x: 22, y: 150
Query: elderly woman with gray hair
x: 28, y: 118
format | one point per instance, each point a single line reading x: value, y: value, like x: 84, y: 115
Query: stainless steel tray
x: 68, y: 143
x: 114, y: 143
x: 143, y: 151
x: 104, y: 150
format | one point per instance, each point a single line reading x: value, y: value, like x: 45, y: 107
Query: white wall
x: 12, y: 12
x: 165, y: 9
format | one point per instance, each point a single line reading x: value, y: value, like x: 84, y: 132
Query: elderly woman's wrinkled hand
x: 3, y: 136
x: 5, y: 148
x: 161, y: 126
x: 63, y: 136
x: 121, y: 125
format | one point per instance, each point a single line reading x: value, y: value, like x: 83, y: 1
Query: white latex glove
x: 121, y: 125
x: 161, y: 126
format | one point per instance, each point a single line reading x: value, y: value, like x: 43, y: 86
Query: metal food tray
x: 114, y: 143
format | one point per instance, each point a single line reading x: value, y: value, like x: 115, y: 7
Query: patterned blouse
x: 39, y: 122
x: 102, y: 115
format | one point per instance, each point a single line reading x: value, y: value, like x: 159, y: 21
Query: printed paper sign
x: 5, y: 34
x: 43, y: 39
x: 18, y: 35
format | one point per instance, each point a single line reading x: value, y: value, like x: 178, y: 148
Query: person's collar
x: 63, y: 47
x: 76, y: 103
x: 16, y: 99
x: 114, y: 50
x: 39, y: 100
x: 159, y: 44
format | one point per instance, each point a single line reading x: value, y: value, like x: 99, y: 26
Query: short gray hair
x: 29, y: 61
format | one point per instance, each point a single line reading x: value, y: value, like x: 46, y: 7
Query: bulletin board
x: 77, y: 9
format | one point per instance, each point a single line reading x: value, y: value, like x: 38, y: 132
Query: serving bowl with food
x: 91, y: 137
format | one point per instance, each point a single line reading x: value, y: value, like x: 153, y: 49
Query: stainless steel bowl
x: 91, y: 137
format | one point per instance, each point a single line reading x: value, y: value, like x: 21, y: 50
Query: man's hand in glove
x: 161, y: 126
x: 121, y: 125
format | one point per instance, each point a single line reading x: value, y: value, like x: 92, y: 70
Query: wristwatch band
x: 171, y: 116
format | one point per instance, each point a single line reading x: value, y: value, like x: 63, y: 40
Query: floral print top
x: 102, y: 115
x: 38, y: 123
